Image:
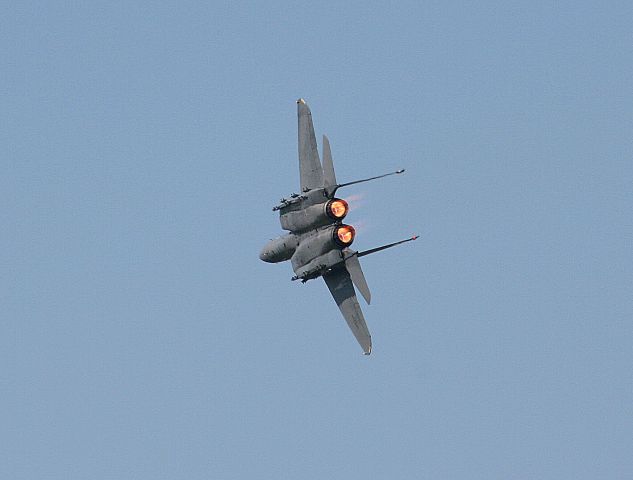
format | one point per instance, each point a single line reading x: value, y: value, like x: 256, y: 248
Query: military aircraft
x: 318, y: 242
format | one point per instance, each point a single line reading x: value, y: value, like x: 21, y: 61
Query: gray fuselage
x: 317, y: 235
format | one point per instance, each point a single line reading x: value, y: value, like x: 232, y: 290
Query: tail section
x: 329, y: 178
x: 358, y: 278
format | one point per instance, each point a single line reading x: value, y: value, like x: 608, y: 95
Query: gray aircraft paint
x: 329, y: 177
x: 313, y: 245
x: 310, y: 170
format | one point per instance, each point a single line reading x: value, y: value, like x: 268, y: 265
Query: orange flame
x: 338, y: 208
x: 355, y: 201
x: 346, y: 234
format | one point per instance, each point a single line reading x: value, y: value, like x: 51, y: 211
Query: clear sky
x: 143, y: 146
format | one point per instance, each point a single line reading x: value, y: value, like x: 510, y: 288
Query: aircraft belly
x: 321, y: 262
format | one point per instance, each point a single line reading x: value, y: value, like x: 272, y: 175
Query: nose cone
x: 279, y: 249
x: 264, y: 255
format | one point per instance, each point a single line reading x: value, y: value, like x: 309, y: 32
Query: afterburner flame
x: 338, y: 208
x: 346, y: 234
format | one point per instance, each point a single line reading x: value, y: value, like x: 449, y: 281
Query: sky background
x: 143, y: 146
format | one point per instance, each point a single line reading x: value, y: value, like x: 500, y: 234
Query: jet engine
x: 343, y: 235
x: 299, y: 218
x: 322, y: 247
x: 336, y: 209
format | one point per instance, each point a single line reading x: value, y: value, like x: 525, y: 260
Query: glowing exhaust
x: 337, y: 208
x: 344, y: 235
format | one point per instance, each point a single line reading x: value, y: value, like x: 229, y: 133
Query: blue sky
x: 143, y: 148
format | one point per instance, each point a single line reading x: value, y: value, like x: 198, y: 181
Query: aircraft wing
x: 340, y: 284
x: 310, y: 170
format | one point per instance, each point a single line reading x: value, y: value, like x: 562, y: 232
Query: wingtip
x: 302, y: 107
x: 415, y: 237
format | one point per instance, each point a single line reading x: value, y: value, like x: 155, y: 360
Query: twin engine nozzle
x: 343, y: 235
x: 314, y: 213
x: 336, y: 208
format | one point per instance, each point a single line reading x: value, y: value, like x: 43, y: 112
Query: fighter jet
x: 318, y: 242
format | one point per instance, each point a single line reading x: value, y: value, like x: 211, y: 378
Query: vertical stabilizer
x: 358, y: 278
x: 329, y: 178
x: 340, y: 285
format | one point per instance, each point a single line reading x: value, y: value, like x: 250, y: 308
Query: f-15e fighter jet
x: 318, y: 242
